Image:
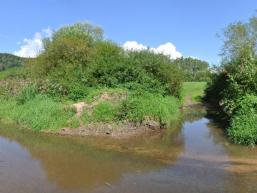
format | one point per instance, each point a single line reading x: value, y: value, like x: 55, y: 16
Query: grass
x: 105, y: 112
x: 192, y: 92
x: 138, y: 108
x: 135, y: 108
x: 40, y: 113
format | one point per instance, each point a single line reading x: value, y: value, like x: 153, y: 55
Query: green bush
x: 234, y: 88
x: 193, y: 69
x: 243, y: 128
x: 157, y: 71
x: 77, y: 58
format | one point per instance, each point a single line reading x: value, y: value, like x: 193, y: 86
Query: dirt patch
x: 79, y: 108
x: 115, y: 130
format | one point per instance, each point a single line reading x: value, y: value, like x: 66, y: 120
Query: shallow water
x: 195, y: 157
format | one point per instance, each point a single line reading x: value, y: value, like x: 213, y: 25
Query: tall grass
x: 137, y: 107
x: 105, y: 112
x: 162, y: 109
x: 40, y: 113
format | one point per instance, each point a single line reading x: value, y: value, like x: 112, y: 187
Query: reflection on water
x: 194, y: 157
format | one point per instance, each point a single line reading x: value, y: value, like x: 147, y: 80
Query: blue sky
x: 190, y: 25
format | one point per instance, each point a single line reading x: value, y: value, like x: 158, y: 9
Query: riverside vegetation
x: 233, y: 88
x: 81, y: 80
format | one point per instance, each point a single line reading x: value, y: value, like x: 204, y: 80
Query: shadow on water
x: 193, y: 156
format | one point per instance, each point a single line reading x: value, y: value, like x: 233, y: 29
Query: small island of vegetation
x: 82, y: 83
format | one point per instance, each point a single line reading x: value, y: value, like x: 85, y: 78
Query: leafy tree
x: 240, y: 41
x: 78, y: 57
x: 237, y: 80
x: 194, y: 69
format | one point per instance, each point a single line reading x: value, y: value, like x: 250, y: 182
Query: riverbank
x: 196, y: 153
x: 117, y: 113
x: 112, y: 112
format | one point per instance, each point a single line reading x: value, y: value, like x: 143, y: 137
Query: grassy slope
x: 192, y: 92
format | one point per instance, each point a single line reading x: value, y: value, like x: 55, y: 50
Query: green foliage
x: 77, y: 58
x: 15, y: 72
x: 243, y: 129
x: 194, y: 69
x: 234, y: 88
x: 12, y: 81
x: 78, y: 63
x: 27, y: 94
x: 157, y: 71
x: 51, y: 88
x: 104, y: 112
x: 138, y: 108
x: 10, y: 61
x: 74, y: 122
x: 193, y: 90
x: 95, y: 93
x: 65, y: 58
x: 240, y: 40
x: 40, y: 113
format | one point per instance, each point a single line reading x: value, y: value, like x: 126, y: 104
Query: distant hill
x: 9, y: 61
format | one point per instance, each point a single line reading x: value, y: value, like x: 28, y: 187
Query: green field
x: 192, y: 92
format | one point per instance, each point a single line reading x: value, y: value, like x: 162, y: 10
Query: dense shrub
x: 234, y: 87
x: 243, y: 129
x: 77, y: 57
x: 194, y: 69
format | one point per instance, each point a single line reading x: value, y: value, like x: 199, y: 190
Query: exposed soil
x: 121, y: 130
x: 116, y: 130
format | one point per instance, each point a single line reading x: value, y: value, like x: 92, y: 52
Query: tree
x: 240, y: 41
x: 194, y: 69
x: 68, y: 51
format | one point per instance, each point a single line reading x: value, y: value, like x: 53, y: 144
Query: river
x: 193, y: 157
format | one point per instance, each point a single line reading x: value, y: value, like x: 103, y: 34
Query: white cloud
x: 32, y: 47
x: 167, y: 49
x: 133, y: 46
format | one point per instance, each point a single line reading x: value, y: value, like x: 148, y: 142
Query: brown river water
x: 193, y: 157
